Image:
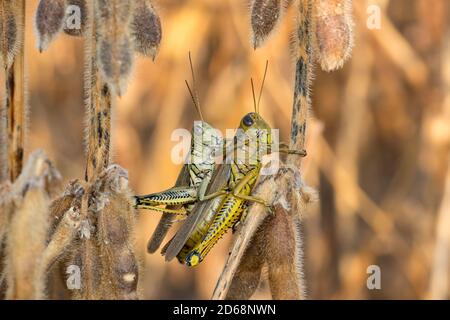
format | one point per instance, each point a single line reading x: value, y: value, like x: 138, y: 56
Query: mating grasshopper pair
x: 213, y: 196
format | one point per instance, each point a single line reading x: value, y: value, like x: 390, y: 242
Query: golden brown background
x: 378, y: 139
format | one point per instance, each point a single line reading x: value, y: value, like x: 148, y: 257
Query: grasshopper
x: 228, y: 194
x: 192, y: 180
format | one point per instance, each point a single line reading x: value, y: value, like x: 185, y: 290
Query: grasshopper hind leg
x: 143, y: 205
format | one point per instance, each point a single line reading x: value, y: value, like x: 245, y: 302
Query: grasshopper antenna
x: 254, y: 97
x: 193, y: 100
x: 194, y: 93
x: 262, y: 86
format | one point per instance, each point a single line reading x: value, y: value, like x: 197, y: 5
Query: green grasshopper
x: 191, y: 182
x: 229, y: 193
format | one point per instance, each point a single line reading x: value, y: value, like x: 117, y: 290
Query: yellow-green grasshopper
x: 193, y: 179
x: 228, y: 194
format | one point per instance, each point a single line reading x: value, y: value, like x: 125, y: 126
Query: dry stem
x: 13, y: 110
x: 98, y: 105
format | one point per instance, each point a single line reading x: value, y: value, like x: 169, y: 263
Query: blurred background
x: 378, y: 138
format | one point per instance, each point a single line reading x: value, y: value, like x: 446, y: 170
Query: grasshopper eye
x: 248, y: 120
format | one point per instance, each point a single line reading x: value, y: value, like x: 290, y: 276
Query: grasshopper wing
x: 167, y: 218
x: 199, y: 212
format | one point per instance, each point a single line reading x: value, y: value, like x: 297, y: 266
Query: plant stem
x: 13, y: 113
x: 303, y: 75
x: 98, y: 105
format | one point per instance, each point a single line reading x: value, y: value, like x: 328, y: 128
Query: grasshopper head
x: 254, y: 125
x: 253, y: 120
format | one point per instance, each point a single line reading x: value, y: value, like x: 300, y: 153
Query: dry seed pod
x: 146, y: 28
x: 265, y: 14
x: 10, y: 30
x: 4, y: 143
x: 334, y: 32
x: 38, y: 166
x: 4, y: 167
x: 114, y: 47
x: 59, y: 244
x: 27, y: 231
x: 109, y: 266
x: 86, y: 259
x: 284, y: 258
x: 62, y: 237
x: 49, y: 21
x: 248, y: 274
x: 115, y: 235
x: 25, y: 242
x: 6, y: 204
x: 283, y: 242
x: 71, y: 198
x: 76, y: 18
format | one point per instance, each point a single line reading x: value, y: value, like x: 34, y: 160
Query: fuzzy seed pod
x: 115, y: 235
x: 146, y: 29
x: 86, y: 259
x: 38, y: 167
x: 248, y: 274
x: 60, y: 243
x: 4, y: 167
x: 11, y: 26
x: 265, y: 15
x: 6, y: 205
x: 26, y: 242
x: 283, y: 237
x: 108, y: 262
x: 49, y: 21
x: 26, y: 233
x: 284, y: 258
x: 76, y: 18
x: 71, y: 198
x: 334, y: 32
x: 114, y: 47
